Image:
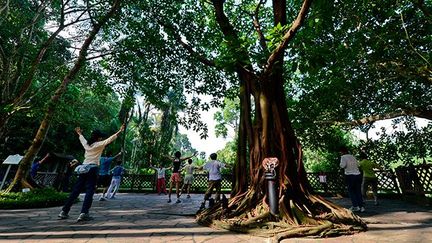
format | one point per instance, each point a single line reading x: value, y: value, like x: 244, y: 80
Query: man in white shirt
x: 353, y: 178
x: 214, y: 168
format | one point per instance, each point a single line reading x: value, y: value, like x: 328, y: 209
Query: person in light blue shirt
x: 117, y: 173
x: 104, y: 178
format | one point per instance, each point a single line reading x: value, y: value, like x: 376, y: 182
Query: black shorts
x: 104, y: 180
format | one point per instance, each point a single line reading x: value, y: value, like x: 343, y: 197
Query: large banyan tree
x: 205, y: 43
x: 266, y: 132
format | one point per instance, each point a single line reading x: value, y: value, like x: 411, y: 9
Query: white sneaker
x: 63, y: 215
x: 354, y: 209
x: 84, y: 217
x: 102, y: 199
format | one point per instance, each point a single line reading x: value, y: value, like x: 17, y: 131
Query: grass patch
x: 36, y: 198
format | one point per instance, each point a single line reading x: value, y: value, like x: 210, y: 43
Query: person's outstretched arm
x: 117, y: 155
x: 44, y: 158
x: 113, y: 137
x: 152, y: 167
x: 185, y: 158
x: 82, y: 138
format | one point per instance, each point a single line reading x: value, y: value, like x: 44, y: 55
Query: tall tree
x: 270, y: 134
x: 196, y: 43
x: 24, y: 44
x: 21, y: 179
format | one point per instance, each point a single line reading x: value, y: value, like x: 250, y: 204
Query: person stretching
x: 88, y: 172
x: 175, y: 177
x: 117, y: 173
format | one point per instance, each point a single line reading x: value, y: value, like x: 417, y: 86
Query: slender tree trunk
x: 240, y: 169
x: 20, y: 179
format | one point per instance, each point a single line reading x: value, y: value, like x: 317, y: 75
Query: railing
x: 148, y: 182
x: 407, y: 180
x: 415, y: 179
x: 46, y: 178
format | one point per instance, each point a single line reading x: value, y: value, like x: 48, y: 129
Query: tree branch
x: 289, y: 35
x: 231, y: 34
x: 89, y: 13
x: 421, y: 5
x: 30, y: 75
x: 186, y: 46
x: 101, y: 55
x: 409, y: 41
x: 29, y: 79
x: 5, y: 8
x: 425, y: 113
x: 257, y: 25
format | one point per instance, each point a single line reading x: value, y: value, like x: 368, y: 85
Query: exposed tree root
x: 316, y: 218
x: 18, y: 185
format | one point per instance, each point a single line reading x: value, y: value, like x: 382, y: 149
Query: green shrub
x: 36, y: 198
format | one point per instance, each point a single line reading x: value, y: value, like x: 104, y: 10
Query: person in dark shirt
x: 69, y: 171
x: 175, y: 177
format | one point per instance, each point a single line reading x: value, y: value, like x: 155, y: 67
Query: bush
x: 36, y: 198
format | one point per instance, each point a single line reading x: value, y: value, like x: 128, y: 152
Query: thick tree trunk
x: 20, y: 179
x: 300, y: 212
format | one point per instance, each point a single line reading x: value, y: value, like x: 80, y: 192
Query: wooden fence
x: 407, y: 180
x: 148, y: 183
x: 335, y: 182
x: 415, y: 179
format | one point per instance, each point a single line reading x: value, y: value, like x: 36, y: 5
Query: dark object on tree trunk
x: 270, y: 175
x: 224, y: 202
x: 211, y: 202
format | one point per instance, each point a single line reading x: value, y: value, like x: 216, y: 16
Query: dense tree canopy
x: 363, y: 62
x: 288, y: 73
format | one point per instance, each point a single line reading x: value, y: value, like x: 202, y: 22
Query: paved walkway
x: 149, y: 218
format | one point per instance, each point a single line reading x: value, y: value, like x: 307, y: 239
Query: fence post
x: 132, y: 182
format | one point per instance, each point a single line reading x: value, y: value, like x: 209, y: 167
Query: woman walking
x: 87, y: 172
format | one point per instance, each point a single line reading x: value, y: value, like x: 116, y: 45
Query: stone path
x: 149, y: 218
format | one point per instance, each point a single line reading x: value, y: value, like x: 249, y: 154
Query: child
x: 175, y: 177
x: 104, y: 177
x: 117, y: 173
x: 160, y: 184
x: 35, y: 166
x: 214, y: 168
x: 369, y: 177
x: 189, y: 178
